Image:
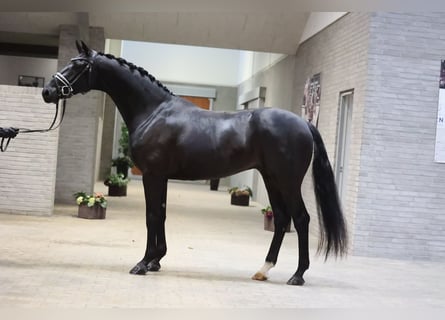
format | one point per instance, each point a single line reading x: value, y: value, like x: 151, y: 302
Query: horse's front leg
x: 155, y: 189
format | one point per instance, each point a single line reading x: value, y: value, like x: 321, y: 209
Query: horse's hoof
x: 259, y: 276
x: 139, y: 269
x: 296, y: 281
x: 153, y: 266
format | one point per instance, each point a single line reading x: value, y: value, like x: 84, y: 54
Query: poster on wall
x: 439, y: 155
x: 311, y: 99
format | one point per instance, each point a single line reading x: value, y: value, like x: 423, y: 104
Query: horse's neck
x: 136, y: 96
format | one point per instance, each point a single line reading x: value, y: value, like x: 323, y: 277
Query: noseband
x: 65, y: 90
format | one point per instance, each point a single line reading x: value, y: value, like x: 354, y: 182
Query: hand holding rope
x: 6, y: 134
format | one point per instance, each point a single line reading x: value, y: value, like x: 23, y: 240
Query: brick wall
x: 400, y: 211
x: 28, y: 167
x: 339, y: 52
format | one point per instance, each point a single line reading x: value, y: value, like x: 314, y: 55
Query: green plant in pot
x: 91, y: 206
x: 240, y: 196
x: 117, y: 185
x: 123, y: 162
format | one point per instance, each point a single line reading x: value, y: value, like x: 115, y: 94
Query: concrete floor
x: 213, y: 250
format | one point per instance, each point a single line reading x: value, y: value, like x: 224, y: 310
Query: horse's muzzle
x: 50, y: 95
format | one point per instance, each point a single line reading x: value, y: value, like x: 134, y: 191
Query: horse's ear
x: 79, y: 47
x: 85, y: 48
x: 82, y: 47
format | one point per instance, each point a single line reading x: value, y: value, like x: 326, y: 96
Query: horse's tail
x: 333, y: 233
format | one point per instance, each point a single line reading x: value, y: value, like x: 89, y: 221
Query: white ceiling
x: 277, y: 31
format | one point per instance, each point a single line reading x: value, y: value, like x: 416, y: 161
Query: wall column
x: 82, y: 127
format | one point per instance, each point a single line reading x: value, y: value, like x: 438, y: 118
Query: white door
x: 343, y: 141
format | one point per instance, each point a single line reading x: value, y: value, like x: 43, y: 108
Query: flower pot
x: 117, y: 191
x: 270, y: 226
x: 94, y: 212
x: 214, y: 183
x: 240, y: 200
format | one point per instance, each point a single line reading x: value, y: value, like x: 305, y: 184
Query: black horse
x: 171, y: 138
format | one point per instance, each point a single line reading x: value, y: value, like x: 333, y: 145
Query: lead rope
x: 10, y: 133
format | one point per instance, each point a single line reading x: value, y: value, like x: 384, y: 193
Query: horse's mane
x: 141, y: 70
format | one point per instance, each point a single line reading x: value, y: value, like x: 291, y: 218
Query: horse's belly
x: 211, y: 168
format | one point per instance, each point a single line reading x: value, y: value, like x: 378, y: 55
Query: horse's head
x: 73, y: 78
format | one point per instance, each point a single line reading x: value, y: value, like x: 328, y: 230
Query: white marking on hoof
x: 262, y: 274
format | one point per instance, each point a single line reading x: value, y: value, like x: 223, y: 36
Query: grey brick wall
x: 339, y: 52
x: 78, y: 141
x: 28, y: 167
x: 400, y: 211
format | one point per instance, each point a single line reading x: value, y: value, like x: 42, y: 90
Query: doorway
x: 343, y: 141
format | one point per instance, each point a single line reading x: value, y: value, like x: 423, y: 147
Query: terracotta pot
x: 241, y: 200
x: 94, y: 212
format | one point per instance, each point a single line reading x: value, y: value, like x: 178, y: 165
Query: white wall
x: 253, y: 62
x: 197, y: 65
x: 28, y: 167
x: 317, y: 21
x: 185, y: 64
x: 11, y: 67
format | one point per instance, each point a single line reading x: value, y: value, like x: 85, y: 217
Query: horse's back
x: 186, y: 142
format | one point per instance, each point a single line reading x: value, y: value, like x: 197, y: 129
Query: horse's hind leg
x: 301, y: 220
x: 155, y: 189
x: 281, y: 220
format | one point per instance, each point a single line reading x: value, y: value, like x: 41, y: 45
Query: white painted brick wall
x: 28, y: 167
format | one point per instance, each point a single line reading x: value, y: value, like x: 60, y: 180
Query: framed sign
x: 31, y: 81
x: 439, y: 153
x: 311, y: 99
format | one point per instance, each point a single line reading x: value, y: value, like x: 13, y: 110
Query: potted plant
x: 123, y: 162
x: 117, y: 185
x: 91, y: 206
x: 269, y: 220
x: 240, y: 196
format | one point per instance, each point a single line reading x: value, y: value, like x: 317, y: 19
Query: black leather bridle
x: 65, y: 89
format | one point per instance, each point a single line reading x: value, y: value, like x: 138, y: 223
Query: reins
x: 6, y: 134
